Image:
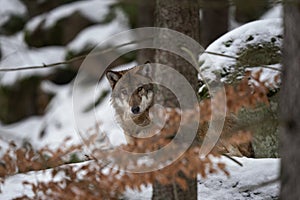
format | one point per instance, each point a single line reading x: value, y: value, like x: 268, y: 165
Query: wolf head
x: 132, y: 90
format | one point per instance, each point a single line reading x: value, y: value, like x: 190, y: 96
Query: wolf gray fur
x: 132, y: 98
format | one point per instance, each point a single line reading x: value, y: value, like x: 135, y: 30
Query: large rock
x: 61, y: 33
x: 14, y: 24
x: 23, y: 99
x: 13, y: 16
x: 250, y: 48
x: 37, y: 7
x: 60, y: 25
x: 263, y: 122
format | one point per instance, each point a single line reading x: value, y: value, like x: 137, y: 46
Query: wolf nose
x: 135, y: 109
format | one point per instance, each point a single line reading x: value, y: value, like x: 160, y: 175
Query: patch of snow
x: 232, y: 23
x: 11, y: 7
x: 17, y: 54
x: 274, y: 12
x: 59, y: 123
x: 94, y: 10
x: 241, y: 181
x: 22, y: 131
x: 217, y: 186
x: 14, y: 188
x: 97, y: 34
x: 234, y: 41
x: 85, y: 95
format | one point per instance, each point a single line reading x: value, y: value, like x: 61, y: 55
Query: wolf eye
x: 139, y: 89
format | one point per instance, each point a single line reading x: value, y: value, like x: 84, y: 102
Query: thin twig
x: 236, y: 58
x: 233, y: 159
x: 220, y: 54
x: 265, y: 66
x: 9, y: 69
x: 196, y: 64
x: 259, y: 185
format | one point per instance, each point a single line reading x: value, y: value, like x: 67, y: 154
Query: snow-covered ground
x: 243, y: 183
x: 59, y: 123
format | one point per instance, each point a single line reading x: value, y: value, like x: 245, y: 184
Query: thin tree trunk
x: 246, y: 11
x: 290, y: 104
x: 214, y: 22
x: 146, y: 11
x: 181, y: 16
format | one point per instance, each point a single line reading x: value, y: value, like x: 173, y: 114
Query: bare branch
x: 82, y: 57
x: 220, y: 54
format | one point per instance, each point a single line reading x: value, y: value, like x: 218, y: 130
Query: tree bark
x: 146, y: 11
x: 290, y: 108
x: 181, y: 16
x: 214, y: 21
x: 246, y: 11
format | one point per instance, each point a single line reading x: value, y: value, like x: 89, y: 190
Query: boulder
x: 253, y: 47
x: 60, y: 33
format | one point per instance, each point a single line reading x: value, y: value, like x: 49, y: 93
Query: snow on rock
x: 96, y: 34
x: 17, y: 54
x: 94, y: 10
x: 233, y: 42
x: 11, y: 7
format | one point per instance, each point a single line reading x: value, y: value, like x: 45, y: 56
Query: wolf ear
x: 146, y: 69
x: 113, y: 77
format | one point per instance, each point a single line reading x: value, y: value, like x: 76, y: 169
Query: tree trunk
x: 214, y: 22
x: 246, y: 11
x: 146, y: 11
x: 290, y: 108
x: 181, y: 16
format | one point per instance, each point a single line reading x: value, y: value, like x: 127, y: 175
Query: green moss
x: 131, y: 10
x: 259, y: 54
x: 254, y: 55
x: 129, y: 57
x: 263, y: 123
x: 109, y: 16
x: 74, y: 159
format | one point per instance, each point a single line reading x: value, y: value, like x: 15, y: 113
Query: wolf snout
x: 135, y: 109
